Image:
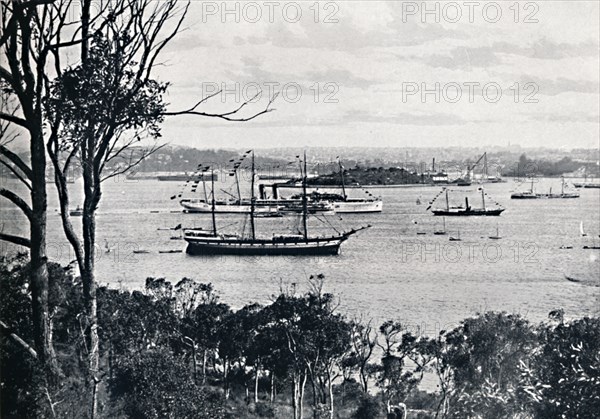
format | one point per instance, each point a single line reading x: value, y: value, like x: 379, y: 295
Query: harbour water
x: 386, y: 272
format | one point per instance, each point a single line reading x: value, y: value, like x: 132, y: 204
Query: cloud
x: 403, y: 118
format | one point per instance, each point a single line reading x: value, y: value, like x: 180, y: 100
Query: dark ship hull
x: 469, y: 212
x: 321, y: 246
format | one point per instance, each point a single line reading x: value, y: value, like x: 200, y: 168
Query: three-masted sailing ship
x: 205, y: 242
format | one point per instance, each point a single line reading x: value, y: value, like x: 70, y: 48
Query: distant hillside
x: 371, y: 176
x: 526, y: 167
x: 184, y: 159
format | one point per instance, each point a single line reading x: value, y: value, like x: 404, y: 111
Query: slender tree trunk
x: 272, y: 394
x: 204, y: 366
x: 91, y: 303
x: 39, y: 267
x: 301, y: 396
x: 256, y: 384
x: 330, y: 387
x: 295, y: 394
x: 225, y: 379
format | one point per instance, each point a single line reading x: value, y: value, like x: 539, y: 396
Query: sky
x: 388, y: 74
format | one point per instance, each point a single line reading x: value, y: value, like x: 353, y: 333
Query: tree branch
x: 7, y: 330
x: 16, y: 173
x: 21, y: 241
x: 14, y: 119
x: 227, y: 116
x: 16, y: 160
x: 18, y: 201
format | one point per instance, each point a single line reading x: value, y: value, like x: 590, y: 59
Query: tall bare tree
x: 23, y: 67
x: 102, y: 109
x: 97, y: 110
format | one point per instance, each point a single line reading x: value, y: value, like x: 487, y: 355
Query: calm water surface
x: 386, y: 272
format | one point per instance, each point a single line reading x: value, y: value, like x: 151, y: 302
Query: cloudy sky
x: 355, y: 73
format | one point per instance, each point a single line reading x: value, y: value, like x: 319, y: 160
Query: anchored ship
x: 202, y: 242
x: 467, y: 210
x: 530, y: 194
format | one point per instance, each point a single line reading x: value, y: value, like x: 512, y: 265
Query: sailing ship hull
x: 544, y: 196
x: 248, y: 247
x: 469, y: 212
x: 357, y: 206
x: 525, y: 196
x: 203, y: 207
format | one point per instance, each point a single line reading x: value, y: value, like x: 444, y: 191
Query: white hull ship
x: 224, y: 207
x: 358, y: 206
x: 201, y: 242
x: 342, y: 204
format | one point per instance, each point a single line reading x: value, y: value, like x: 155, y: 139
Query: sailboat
x: 202, y: 242
x: 497, y: 236
x: 583, y: 233
x: 441, y: 232
x: 455, y: 238
x: 467, y: 210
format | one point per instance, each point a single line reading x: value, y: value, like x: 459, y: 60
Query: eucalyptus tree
x: 102, y: 109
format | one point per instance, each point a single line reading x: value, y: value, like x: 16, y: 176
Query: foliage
x: 562, y: 379
x: 485, y: 353
x: 155, y: 384
x: 492, y: 365
x: 106, y: 91
x: 370, y: 407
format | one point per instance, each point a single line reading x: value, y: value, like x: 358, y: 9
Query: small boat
x: 441, y: 232
x: 77, y: 212
x: 497, y: 236
x: 563, y: 247
x: 421, y: 233
x: 455, y: 239
x: 170, y: 251
x: 141, y: 251
x: 581, y: 231
x: 572, y: 279
x: 591, y: 247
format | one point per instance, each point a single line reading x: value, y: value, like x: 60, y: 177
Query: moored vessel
x: 215, y: 243
x: 467, y: 209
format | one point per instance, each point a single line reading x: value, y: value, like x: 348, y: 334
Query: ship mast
x: 483, y: 199
x: 252, y: 202
x: 237, y: 184
x: 562, y: 186
x: 304, y: 199
x: 204, y: 186
x: 212, y: 182
x: 342, y: 175
x: 447, y: 201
